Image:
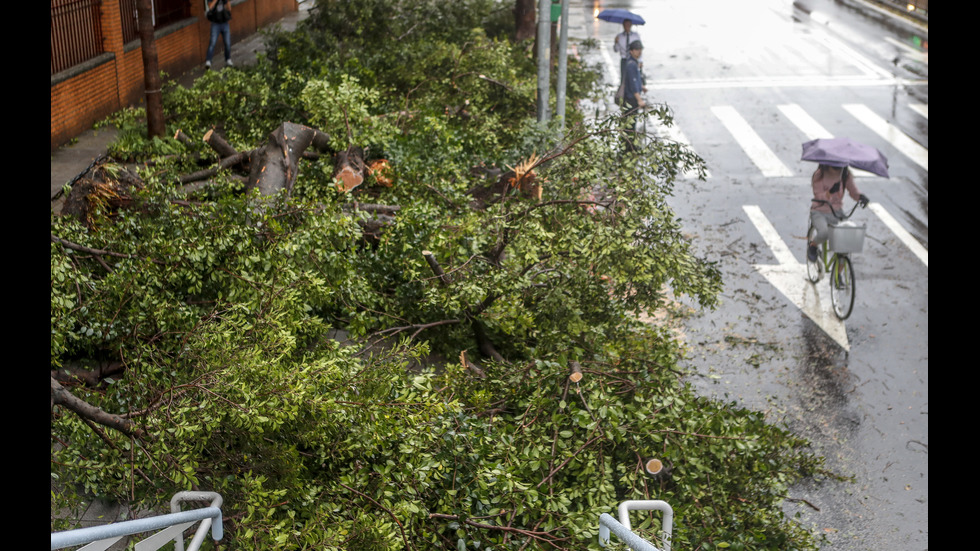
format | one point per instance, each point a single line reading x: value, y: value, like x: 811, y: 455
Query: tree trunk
x: 276, y: 164
x: 151, y: 71
x: 524, y: 19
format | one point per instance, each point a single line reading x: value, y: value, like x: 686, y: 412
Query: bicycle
x: 845, y: 238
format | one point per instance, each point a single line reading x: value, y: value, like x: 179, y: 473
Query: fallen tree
x: 406, y: 355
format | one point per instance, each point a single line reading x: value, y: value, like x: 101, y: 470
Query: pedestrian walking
x: 621, y: 46
x: 622, y: 43
x: 219, y: 14
x: 632, y: 93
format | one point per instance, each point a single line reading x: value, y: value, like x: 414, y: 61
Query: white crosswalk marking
x: 900, y: 232
x: 813, y: 130
x: 921, y: 109
x: 754, y: 147
x: 673, y: 133
x: 909, y: 147
x: 805, y: 122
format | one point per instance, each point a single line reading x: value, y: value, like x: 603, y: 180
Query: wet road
x: 748, y: 82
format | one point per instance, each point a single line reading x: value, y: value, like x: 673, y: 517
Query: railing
x: 171, y: 528
x: 76, y: 32
x: 621, y: 528
x: 162, y: 13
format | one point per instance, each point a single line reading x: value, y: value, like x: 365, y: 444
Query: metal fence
x: 163, y: 13
x: 76, y: 27
x: 171, y: 528
x: 76, y: 32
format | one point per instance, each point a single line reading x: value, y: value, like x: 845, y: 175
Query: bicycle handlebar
x: 839, y: 214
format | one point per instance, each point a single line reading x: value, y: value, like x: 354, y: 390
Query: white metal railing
x: 171, y: 528
x: 622, y: 528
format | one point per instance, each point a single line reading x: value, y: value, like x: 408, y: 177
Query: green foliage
x: 244, y: 333
x: 335, y: 109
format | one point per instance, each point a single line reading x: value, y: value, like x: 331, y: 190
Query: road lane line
x: 901, y: 233
x: 917, y: 55
x: 751, y: 143
x: 911, y: 148
x: 673, y: 133
x: 770, y: 235
x: 921, y: 109
x: 789, y: 278
x: 866, y: 66
x: 812, y: 129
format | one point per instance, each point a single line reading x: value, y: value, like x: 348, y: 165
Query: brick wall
x: 88, y: 92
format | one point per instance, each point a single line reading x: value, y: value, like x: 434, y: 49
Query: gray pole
x: 562, y: 64
x: 544, y: 61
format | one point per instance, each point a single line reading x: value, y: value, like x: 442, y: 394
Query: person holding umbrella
x: 621, y: 46
x: 623, y: 40
x: 827, y: 186
x: 834, y: 157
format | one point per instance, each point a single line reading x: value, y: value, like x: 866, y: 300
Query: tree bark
x: 471, y: 366
x: 61, y: 397
x: 91, y: 374
x: 524, y: 11
x: 275, y: 166
x: 152, y: 83
x: 436, y: 268
x: 218, y: 144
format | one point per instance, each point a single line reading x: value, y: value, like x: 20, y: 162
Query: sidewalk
x: 71, y: 159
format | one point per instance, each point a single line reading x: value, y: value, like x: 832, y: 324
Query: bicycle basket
x: 847, y: 237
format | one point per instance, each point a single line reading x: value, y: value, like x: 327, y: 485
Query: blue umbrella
x: 616, y: 15
x: 841, y: 152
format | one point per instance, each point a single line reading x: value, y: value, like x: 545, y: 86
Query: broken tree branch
x: 60, y: 396
x: 219, y: 144
x: 436, y: 268
x: 470, y: 365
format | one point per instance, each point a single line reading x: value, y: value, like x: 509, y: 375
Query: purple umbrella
x: 616, y: 15
x: 841, y: 152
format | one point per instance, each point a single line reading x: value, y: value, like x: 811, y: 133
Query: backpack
x: 219, y: 14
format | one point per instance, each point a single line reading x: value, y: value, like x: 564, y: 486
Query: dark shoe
x: 811, y: 253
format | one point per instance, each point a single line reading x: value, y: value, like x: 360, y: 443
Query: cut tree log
x: 275, y: 165
x: 219, y: 144
x: 348, y: 169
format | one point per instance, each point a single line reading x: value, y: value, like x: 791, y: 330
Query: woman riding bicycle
x: 826, y: 182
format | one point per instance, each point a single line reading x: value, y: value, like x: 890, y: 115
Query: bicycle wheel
x: 842, y: 286
x: 814, y: 267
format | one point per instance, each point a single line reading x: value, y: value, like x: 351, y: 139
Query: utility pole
x: 544, y: 61
x: 152, y: 83
x: 562, y: 64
